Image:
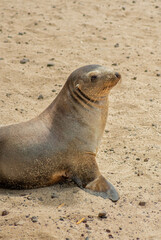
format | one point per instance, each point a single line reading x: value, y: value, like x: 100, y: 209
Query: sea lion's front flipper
x: 101, y: 187
x: 88, y: 177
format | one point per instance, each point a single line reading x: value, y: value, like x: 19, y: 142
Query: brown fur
x: 63, y: 140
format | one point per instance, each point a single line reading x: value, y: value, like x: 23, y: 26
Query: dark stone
x: 116, y: 45
x: 102, y: 214
x: 53, y: 195
x: 34, y: 219
x: 50, y: 64
x: 40, y: 97
x: 5, y: 212
x: 142, y: 204
x: 24, y: 60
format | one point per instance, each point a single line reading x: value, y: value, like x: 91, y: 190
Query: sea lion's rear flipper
x: 101, y: 187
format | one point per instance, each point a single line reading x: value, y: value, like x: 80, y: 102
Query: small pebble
x: 53, y: 195
x: 24, y: 60
x: 116, y: 45
x: 85, y: 220
x: 34, y: 219
x: 110, y: 236
x: 50, y: 64
x: 8, y: 94
x: 40, y: 97
x: 142, y: 204
x: 146, y: 160
x: 21, y: 33
x: 102, y: 214
x: 5, y: 212
x: 29, y: 198
x: 87, y: 226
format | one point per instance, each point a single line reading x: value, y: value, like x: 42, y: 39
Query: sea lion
x: 63, y: 140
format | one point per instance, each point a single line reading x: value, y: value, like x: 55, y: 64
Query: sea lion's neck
x: 75, y: 112
x: 75, y: 100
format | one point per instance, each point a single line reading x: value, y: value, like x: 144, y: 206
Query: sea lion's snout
x: 118, y: 75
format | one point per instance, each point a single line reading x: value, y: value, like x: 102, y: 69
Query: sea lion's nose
x: 118, y: 75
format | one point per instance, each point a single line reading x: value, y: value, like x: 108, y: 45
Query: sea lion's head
x: 94, y: 81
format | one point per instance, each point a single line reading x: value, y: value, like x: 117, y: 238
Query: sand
x: 124, y: 35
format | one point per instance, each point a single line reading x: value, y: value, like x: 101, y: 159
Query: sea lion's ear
x: 77, y: 86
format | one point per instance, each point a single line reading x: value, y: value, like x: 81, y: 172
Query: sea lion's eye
x: 93, y: 78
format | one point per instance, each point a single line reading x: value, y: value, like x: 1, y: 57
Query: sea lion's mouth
x: 111, y: 84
